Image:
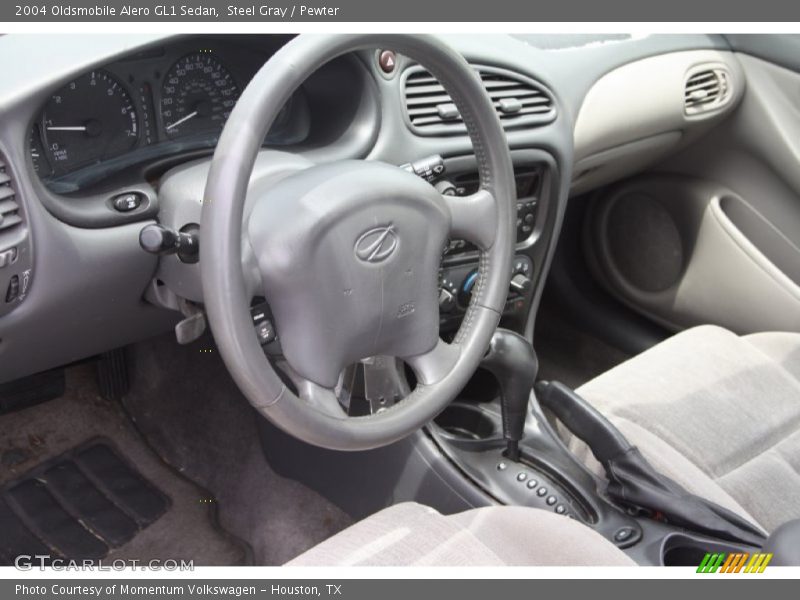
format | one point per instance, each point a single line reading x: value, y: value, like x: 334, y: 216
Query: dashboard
x: 93, y: 134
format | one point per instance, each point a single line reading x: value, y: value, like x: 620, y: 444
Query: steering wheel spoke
x: 320, y: 398
x: 433, y: 366
x: 473, y: 218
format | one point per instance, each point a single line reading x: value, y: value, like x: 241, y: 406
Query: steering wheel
x: 348, y: 255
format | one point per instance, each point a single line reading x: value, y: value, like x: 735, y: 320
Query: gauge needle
x: 73, y: 128
x: 191, y: 115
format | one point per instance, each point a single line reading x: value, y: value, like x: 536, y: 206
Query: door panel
x: 726, y: 210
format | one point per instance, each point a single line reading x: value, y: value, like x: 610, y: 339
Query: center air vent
x: 518, y: 101
x: 9, y: 209
x: 707, y: 89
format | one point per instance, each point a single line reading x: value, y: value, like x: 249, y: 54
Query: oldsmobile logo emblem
x: 377, y: 244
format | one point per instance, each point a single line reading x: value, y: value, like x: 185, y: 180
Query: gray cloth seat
x: 718, y: 413
x: 411, y: 534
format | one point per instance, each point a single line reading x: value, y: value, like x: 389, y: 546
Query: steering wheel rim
x: 487, y: 218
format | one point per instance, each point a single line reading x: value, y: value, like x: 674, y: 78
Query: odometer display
x: 198, y: 96
x: 89, y: 120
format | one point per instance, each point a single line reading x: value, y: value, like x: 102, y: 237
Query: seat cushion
x: 411, y: 534
x: 717, y: 412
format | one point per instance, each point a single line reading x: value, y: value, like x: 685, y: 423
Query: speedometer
x: 198, y: 96
x: 89, y: 120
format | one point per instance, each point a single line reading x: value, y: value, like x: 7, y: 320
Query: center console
x: 536, y: 176
x: 510, y: 448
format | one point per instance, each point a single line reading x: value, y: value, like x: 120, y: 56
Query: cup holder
x: 685, y: 550
x: 466, y: 422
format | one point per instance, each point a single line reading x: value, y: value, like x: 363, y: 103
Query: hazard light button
x: 387, y: 61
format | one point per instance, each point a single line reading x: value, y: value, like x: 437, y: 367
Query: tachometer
x: 198, y: 96
x: 89, y: 120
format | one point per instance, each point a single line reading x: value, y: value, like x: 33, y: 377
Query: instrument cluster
x: 161, y: 103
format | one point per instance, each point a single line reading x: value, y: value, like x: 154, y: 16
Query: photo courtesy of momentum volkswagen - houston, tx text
x: 354, y: 297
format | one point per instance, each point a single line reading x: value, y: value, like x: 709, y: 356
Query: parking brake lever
x: 513, y: 362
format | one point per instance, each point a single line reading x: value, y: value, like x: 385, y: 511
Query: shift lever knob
x: 513, y: 362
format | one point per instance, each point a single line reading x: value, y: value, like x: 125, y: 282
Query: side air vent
x: 707, y: 89
x: 9, y: 209
x: 518, y: 101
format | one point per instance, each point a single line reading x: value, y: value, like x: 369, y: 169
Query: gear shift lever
x: 513, y: 362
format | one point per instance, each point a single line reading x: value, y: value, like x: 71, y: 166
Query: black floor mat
x: 201, y: 424
x: 92, y: 461
x: 79, y: 505
x: 570, y: 354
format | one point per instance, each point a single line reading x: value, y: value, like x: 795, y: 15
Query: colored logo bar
x: 735, y: 562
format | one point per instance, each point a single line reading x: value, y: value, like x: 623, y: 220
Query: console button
x: 522, y: 476
x: 542, y: 491
x: 551, y: 500
x: 561, y: 509
x: 623, y: 534
x: 521, y: 283
x: 447, y: 300
x: 531, y: 483
x: 501, y: 466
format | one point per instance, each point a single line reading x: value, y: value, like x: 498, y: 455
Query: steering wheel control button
x: 262, y: 322
x: 542, y: 491
x: 265, y: 332
x: 502, y: 466
x: 13, y: 289
x: 531, y: 484
x: 522, y: 476
x: 387, y: 60
x: 127, y: 202
x: 551, y: 500
x: 7, y: 257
